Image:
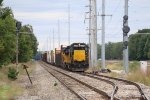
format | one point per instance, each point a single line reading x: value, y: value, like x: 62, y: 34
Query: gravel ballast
x: 45, y: 87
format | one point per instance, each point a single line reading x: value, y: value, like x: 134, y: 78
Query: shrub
x: 12, y: 73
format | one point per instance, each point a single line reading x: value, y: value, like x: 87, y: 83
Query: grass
x: 134, y: 71
x: 138, y: 76
x: 9, y: 88
x: 114, y: 65
x: 8, y: 91
x: 91, y: 69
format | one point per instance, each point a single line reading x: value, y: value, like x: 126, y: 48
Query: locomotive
x: 74, y: 57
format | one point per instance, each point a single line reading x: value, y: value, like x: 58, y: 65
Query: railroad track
x: 123, y: 86
x: 122, y: 89
x: 81, y: 89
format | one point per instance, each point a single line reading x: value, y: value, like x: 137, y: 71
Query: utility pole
x: 47, y: 44
x: 17, y: 51
x: 89, y: 30
x: 103, y: 36
x: 47, y: 51
x: 126, y: 30
x: 69, y: 23
x: 58, y: 34
x: 53, y: 40
x: 89, y: 33
x: 18, y: 27
x: 93, y: 33
x: 50, y: 46
x: 50, y: 49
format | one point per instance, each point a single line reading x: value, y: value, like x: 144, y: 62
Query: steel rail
x: 110, y: 82
x: 85, y: 84
x: 144, y: 97
x: 63, y: 83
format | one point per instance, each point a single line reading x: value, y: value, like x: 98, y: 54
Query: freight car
x: 44, y: 56
x: 58, y: 58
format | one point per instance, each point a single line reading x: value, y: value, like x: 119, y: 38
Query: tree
x: 99, y: 50
x: 7, y: 39
x: 139, y: 45
x: 4, y: 12
x: 144, y: 31
x: 27, y: 44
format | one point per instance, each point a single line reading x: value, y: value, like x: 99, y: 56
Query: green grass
x: 10, y: 88
x: 8, y: 91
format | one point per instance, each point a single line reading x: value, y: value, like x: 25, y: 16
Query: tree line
x: 27, y: 42
x: 139, y: 47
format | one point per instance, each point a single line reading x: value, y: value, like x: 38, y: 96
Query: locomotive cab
x: 79, y: 56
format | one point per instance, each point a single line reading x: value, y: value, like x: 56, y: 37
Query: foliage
x: 7, y: 40
x: 144, y: 31
x: 27, y: 43
x: 99, y: 50
x: 12, y: 73
x: 139, y: 46
x: 1, y: 2
x: 112, y: 50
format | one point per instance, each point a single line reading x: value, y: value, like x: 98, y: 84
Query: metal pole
x: 69, y: 23
x: 17, y: 50
x: 58, y: 34
x: 53, y: 46
x: 103, y: 35
x: 50, y: 48
x: 125, y: 40
x: 53, y: 40
x: 47, y: 51
x: 93, y: 33
x: 89, y: 33
x: 47, y: 44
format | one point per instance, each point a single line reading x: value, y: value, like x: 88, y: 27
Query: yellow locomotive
x: 75, y: 57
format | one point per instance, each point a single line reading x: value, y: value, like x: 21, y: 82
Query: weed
x: 12, y: 73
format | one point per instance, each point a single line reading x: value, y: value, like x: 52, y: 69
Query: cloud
x: 41, y: 15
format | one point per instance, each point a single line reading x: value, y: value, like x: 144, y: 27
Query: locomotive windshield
x: 79, y: 46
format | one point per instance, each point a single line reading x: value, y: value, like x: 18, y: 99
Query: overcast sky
x: 43, y: 15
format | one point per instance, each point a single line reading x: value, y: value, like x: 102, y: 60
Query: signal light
x: 18, y: 25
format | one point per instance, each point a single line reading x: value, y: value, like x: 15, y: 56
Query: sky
x: 43, y: 15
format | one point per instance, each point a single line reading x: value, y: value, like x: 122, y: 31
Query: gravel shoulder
x: 45, y: 87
